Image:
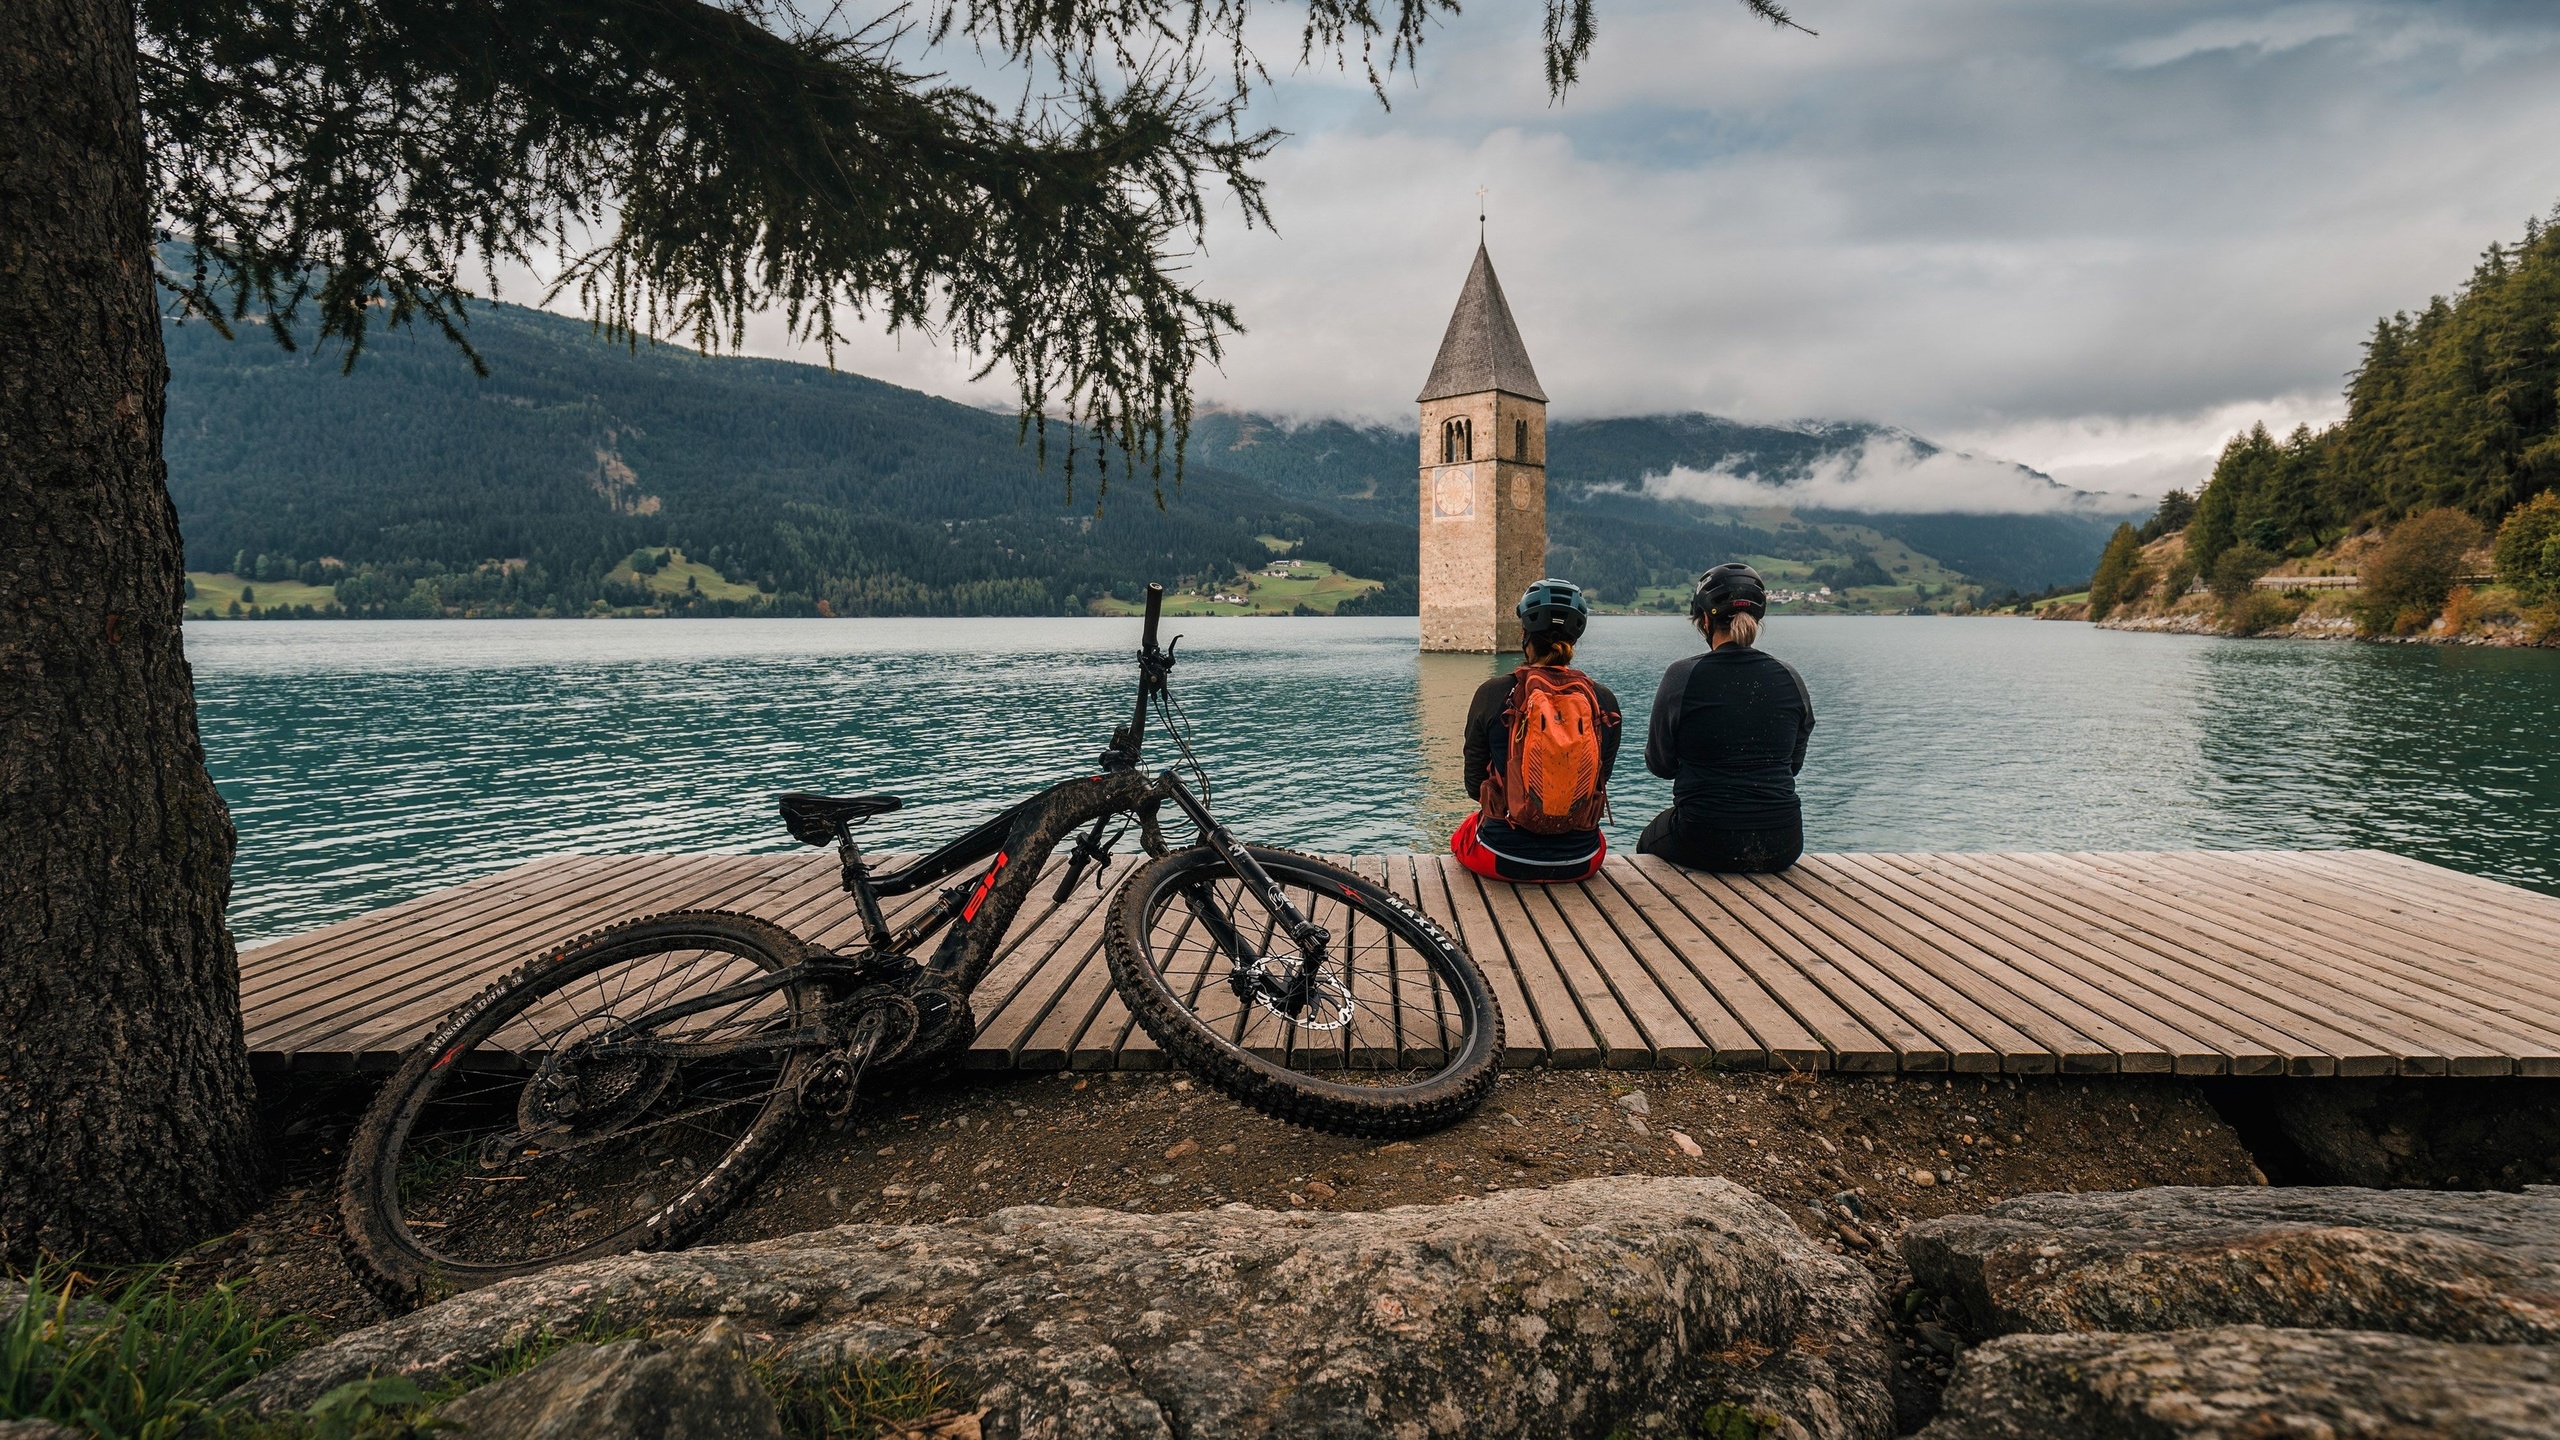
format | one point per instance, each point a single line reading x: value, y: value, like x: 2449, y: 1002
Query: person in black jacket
x: 1729, y: 731
x: 1552, y: 616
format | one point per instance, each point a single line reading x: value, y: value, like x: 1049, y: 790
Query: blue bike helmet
x: 1732, y: 588
x: 1553, y: 610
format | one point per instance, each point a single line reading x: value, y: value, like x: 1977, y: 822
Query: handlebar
x: 1155, y: 612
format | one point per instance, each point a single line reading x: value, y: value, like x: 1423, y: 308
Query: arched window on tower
x: 1520, y: 438
x: 1457, y: 441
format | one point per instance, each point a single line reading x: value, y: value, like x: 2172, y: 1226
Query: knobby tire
x: 1431, y: 1103
x: 400, y: 1273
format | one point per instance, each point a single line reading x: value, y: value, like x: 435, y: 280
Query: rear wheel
x: 524, y: 1131
x: 1394, y: 1034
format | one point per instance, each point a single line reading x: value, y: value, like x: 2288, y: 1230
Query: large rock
x: 1643, y: 1304
x: 2249, y: 1382
x: 38, y: 1430
x: 2470, y: 1267
x: 695, y: 1389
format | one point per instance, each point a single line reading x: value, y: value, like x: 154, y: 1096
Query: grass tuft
x: 861, y: 1400
x: 139, y: 1360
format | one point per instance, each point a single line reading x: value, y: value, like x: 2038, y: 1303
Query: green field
x: 677, y: 576
x: 216, y: 593
x: 1311, y: 583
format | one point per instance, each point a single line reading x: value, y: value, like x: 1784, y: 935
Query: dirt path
x: 1841, y: 1154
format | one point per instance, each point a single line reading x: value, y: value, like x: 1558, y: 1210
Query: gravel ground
x: 1853, y: 1159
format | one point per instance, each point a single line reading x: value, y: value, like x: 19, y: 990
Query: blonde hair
x: 1741, y: 629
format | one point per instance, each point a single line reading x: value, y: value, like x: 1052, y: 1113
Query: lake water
x: 366, y: 762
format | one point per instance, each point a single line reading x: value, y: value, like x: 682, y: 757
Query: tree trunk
x: 127, y: 1116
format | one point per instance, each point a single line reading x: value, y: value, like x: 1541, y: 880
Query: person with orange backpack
x: 1540, y: 744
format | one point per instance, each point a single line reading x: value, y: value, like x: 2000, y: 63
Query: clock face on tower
x: 1453, y: 492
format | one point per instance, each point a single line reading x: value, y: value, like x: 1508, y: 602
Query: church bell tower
x: 1484, y: 474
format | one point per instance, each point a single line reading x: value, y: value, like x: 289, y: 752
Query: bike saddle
x: 813, y: 818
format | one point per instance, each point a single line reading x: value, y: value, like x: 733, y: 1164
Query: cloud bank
x: 1889, y: 473
x: 2095, y: 238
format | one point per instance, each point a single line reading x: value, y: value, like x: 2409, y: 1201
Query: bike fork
x: 1312, y: 939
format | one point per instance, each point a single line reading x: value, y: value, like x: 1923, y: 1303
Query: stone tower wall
x: 1484, y: 521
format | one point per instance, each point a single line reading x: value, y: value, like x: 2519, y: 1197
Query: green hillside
x: 584, y: 476
x: 415, y: 488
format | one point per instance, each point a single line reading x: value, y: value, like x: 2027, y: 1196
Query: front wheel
x: 1395, y: 1033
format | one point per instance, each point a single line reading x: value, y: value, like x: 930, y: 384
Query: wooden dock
x: 2154, y: 963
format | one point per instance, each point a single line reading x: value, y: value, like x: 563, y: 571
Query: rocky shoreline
x: 1618, y: 1307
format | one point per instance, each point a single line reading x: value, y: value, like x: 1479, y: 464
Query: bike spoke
x: 655, y: 1123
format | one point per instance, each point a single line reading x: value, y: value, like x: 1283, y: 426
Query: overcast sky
x: 2094, y: 238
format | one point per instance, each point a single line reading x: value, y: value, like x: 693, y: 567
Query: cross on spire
x: 1479, y: 212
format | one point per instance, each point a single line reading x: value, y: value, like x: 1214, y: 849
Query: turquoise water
x: 368, y: 762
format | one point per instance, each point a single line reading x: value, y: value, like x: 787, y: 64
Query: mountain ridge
x: 818, y: 491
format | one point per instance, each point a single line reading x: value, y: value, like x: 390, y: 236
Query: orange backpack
x: 1549, y: 783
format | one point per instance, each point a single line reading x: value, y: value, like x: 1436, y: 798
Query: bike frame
x: 1015, y: 845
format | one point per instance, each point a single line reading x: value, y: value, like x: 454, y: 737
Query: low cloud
x: 1890, y: 473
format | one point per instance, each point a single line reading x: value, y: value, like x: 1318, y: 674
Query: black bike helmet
x: 1553, y: 610
x: 1732, y: 588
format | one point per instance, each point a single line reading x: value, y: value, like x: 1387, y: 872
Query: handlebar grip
x: 1155, y: 612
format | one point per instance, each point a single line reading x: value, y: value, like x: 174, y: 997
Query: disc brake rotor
x: 1328, y: 1001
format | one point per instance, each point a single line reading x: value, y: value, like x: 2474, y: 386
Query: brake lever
x: 1085, y: 853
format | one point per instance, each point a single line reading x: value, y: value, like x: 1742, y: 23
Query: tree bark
x: 127, y: 1115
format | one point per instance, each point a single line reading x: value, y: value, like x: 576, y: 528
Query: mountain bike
x: 623, y: 1090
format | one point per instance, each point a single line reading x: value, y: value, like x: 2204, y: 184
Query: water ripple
x: 367, y: 762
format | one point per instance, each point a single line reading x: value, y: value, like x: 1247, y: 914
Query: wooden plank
x: 1876, y: 997
x: 353, y: 946
x: 1049, y: 1042
x: 348, y: 944
x: 384, y: 1031
x: 2522, y: 956
x: 2198, y: 1042
x: 434, y: 978
x: 1450, y: 896
x: 2034, y: 1034
x: 2436, y: 1042
x: 1730, y: 1042
x: 1559, y: 975
x: 2308, y: 1043
x: 2489, y: 916
x: 1667, y: 1032
x: 1392, y: 986
x: 1014, y: 993
x: 2133, y: 1042
x: 2511, y: 905
x: 2312, y: 939
x: 1431, y: 1030
x: 1570, y: 1040
x: 1852, y: 1043
x: 2181, y: 962
x: 792, y: 891
x: 2483, y: 964
x: 2314, y: 1000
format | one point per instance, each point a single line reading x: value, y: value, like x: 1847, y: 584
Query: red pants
x: 1473, y: 853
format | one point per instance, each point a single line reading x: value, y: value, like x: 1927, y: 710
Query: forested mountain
x: 788, y: 488
x: 2457, y: 406
x: 807, y: 484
